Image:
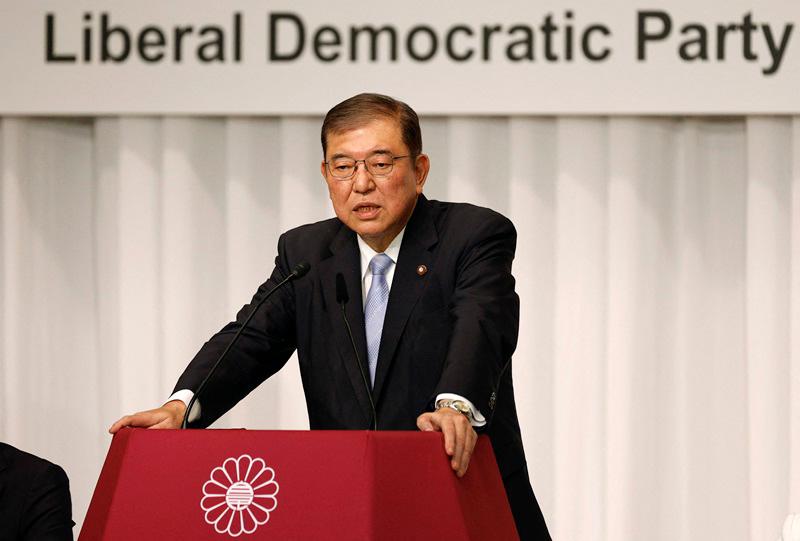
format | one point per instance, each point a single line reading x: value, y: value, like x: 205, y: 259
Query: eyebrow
x: 380, y: 152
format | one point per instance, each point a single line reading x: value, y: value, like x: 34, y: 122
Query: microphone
x: 300, y: 270
x: 341, y: 290
x: 343, y: 298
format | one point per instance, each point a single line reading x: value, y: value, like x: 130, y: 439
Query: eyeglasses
x: 378, y: 165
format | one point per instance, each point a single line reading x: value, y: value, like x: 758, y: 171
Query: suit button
x: 421, y: 270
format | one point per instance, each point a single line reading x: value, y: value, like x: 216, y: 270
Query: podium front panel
x: 252, y: 484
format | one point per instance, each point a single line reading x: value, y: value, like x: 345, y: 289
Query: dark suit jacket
x: 34, y: 498
x: 451, y: 329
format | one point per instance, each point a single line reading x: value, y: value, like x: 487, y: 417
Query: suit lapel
x: 346, y: 260
x: 407, y: 285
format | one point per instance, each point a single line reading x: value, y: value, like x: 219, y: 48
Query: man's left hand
x: 459, y: 436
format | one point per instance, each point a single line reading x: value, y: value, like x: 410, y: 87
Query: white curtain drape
x: 658, y: 368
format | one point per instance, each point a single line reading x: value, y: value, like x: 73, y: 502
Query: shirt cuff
x: 185, y: 396
x: 477, y: 417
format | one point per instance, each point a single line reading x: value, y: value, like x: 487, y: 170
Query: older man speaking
x: 407, y: 319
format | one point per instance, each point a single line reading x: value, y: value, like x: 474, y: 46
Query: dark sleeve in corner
x: 47, y: 513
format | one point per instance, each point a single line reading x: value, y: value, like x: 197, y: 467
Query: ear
x: 421, y: 167
x: 323, y: 170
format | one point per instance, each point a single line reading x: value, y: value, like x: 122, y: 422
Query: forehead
x: 378, y: 134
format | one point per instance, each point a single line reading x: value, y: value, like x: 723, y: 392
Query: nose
x: 362, y: 180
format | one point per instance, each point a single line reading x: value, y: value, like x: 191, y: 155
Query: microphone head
x: 341, y: 289
x: 301, y: 269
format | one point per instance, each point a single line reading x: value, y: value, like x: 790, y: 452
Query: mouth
x: 366, y: 210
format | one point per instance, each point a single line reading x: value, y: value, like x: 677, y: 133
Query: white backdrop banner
x: 465, y: 57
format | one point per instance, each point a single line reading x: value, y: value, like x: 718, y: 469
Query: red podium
x: 252, y: 484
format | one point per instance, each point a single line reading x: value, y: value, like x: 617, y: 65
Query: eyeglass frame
x: 366, y: 167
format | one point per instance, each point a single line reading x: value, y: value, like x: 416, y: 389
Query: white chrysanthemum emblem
x: 240, y: 495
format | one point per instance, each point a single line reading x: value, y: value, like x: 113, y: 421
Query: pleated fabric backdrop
x: 658, y: 368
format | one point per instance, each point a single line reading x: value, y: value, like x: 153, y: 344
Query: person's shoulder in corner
x: 35, y: 500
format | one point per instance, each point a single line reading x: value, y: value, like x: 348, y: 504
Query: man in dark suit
x: 426, y: 288
x: 35, y: 503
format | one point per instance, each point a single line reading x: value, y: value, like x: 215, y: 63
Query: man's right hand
x: 170, y: 415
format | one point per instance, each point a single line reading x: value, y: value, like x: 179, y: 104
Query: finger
x: 460, y: 436
x: 446, y: 426
x: 469, y: 447
x: 165, y: 424
x: 127, y: 420
x: 425, y: 423
x: 121, y: 422
x: 141, y: 419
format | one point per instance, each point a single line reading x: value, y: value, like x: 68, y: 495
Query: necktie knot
x: 380, y: 264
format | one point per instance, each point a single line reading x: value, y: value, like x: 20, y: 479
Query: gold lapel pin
x: 421, y: 270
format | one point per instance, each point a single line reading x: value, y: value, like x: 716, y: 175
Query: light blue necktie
x: 375, y: 309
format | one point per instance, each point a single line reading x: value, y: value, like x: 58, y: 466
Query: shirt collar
x: 367, y: 253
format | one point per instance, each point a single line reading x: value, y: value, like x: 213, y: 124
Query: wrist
x: 177, y: 407
x: 455, y: 405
